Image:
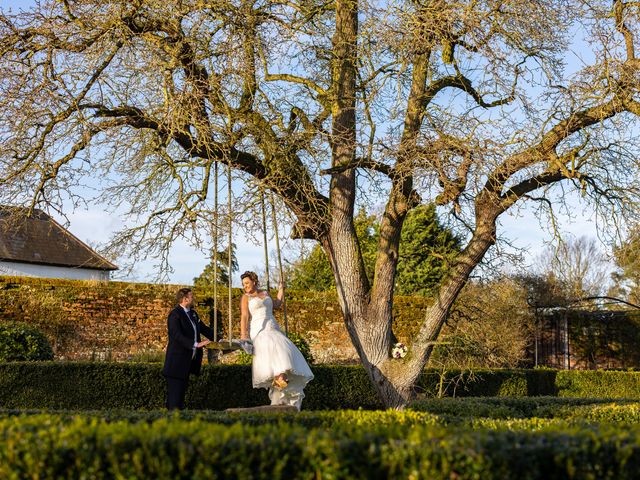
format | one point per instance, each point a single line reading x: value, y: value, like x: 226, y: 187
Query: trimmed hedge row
x: 463, y: 410
x: 99, y: 385
x: 138, y: 386
x: 48, y: 446
x: 473, y: 412
x: 491, y: 383
x: 533, y: 382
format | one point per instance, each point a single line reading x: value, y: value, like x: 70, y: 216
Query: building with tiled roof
x: 38, y: 246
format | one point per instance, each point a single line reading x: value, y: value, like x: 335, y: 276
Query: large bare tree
x: 577, y: 265
x: 469, y: 104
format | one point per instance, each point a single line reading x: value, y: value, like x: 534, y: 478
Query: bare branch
x: 619, y: 8
x: 287, y: 77
x: 360, y: 163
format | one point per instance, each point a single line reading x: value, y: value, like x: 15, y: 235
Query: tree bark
x: 395, y: 379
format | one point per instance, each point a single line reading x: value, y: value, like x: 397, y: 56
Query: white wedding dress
x: 273, y: 354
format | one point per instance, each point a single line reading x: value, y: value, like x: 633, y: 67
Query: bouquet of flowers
x: 399, y: 350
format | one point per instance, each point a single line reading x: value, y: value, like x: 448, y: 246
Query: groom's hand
x: 203, y: 343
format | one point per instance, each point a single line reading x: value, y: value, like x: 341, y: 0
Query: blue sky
x: 93, y: 225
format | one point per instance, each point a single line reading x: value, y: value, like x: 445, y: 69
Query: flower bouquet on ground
x: 399, y: 350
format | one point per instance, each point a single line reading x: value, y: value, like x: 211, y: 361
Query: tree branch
x: 619, y: 8
x: 287, y: 77
x: 361, y: 163
x: 543, y: 150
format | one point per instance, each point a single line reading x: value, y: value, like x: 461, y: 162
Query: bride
x: 277, y: 364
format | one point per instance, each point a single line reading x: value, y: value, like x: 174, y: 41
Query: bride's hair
x: 252, y: 275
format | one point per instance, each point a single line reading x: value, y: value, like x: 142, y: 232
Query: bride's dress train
x: 273, y: 354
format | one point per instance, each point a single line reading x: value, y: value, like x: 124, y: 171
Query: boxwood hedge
x: 51, y: 446
x: 140, y: 386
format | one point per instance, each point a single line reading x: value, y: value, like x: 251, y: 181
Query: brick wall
x: 87, y: 320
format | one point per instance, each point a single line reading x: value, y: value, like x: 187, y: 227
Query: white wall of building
x: 17, y: 269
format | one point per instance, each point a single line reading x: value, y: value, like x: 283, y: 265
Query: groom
x: 184, y: 351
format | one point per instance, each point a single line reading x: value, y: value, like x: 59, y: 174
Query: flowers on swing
x: 399, y: 350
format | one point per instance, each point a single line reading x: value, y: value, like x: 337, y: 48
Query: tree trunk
x: 395, y: 379
x: 395, y: 390
x: 368, y: 312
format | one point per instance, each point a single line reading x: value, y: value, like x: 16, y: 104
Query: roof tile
x: 40, y: 239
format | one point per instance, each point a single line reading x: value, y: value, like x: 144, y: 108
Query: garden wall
x: 91, y: 320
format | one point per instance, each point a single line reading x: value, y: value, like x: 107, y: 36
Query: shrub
x: 141, y: 386
x: 489, y: 326
x: 300, y: 342
x: 461, y: 410
x: 598, y: 383
x: 147, y: 356
x: 19, y: 342
x: 367, y: 446
x: 489, y: 382
x: 243, y: 358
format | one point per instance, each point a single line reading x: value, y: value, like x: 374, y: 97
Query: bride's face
x: 248, y: 285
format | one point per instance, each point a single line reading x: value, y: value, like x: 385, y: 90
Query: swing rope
x: 278, y: 251
x: 215, y: 252
x: 229, y: 251
x: 230, y: 345
x: 216, y: 344
x: 265, y: 239
x: 266, y: 249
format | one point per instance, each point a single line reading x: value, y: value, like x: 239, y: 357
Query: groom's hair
x: 183, y: 292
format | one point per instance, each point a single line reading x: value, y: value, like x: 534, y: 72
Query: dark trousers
x: 176, y: 390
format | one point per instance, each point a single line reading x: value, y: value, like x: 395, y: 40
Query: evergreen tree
x: 428, y: 248
x: 313, y: 272
x: 206, y: 278
x: 426, y: 252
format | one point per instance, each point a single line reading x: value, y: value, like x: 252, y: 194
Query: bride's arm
x: 244, y: 317
x: 277, y: 303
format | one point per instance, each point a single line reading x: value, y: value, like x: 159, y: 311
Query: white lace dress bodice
x: 261, y: 310
x: 273, y: 354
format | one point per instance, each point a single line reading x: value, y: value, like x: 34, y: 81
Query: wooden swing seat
x: 224, y: 346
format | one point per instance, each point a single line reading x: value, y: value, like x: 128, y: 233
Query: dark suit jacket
x: 178, y: 361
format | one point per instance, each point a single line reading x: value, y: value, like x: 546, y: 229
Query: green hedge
x: 489, y: 383
x: 22, y: 342
x: 140, y: 386
x: 461, y: 410
x: 532, y: 382
x: 49, y: 446
x: 472, y: 412
x: 598, y: 383
x: 101, y: 385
